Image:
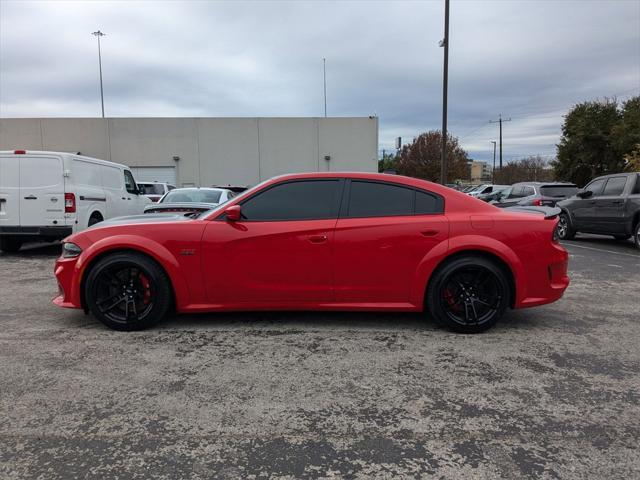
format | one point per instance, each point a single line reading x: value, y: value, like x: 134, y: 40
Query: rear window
x: 40, y: 172
x: 152, y: 188
x: 192, y: 196
x: 559, y: 190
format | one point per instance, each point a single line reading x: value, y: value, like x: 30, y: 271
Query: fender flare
x: 144, y: 245
x: 467, y: 243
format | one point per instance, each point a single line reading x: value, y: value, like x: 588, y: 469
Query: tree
x: 422, y: 158
x: 529, y: 169
x: 596, y: 136
x: 388, y: 162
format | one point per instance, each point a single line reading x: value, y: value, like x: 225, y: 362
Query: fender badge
x: 188, y: 251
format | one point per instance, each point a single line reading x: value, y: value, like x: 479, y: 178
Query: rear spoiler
x: 548, y: 212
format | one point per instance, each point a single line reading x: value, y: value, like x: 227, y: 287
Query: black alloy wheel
x: 636, y: 236
x: 128, y: 291
x: 469, y: 294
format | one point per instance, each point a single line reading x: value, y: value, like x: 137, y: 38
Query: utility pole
x: 445, y: 79
x: 499, y: 121
x: 493, y: 172
x: 324, y: 76
x: 100, y: 34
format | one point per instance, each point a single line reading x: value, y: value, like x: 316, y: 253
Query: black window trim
x: 334, y: 209
x: 346, y: 197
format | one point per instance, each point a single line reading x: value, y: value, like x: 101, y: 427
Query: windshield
x: 193, y: 195
x: 152, y: 188
x: 559, y: 190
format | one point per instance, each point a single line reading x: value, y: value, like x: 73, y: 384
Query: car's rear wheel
x: 468, y: 294
x: 636, y: 236
x: 564, y: 228
x: 128, y: 291
x: 10, y: 245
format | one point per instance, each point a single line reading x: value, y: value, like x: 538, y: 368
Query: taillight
x: 69, y: 203
x: 19, y: 152
x: 537, y: 202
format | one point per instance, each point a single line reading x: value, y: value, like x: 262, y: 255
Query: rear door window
x: 614, y: 186
x: 528, y: 191
x: 428, y: 204
x: 369, y: 199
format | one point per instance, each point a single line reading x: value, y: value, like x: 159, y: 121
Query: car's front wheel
x: 468, y: 294
x: 636, y: 236
x: 564, y: 228
x: 128, y: 291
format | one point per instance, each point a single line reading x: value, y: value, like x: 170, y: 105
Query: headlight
x: 70, y: 250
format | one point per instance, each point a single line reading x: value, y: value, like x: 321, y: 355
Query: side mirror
x: 584, y: 193
x: 233, y: 213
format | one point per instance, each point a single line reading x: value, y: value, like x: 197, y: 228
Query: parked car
x: 46, y: 196
x: 155, y: 190
x: 608, y: 205
x: 496, y: 192
x: 320, y: 241
x: 194, y: 199
x: 234, y: 188
x: 542, y: 194
x: 476, y: 189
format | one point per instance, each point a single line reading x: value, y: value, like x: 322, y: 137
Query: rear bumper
x: 47, y: 231
x: 547, y: 279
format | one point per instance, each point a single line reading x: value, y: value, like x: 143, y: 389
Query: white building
x: 206, y: 151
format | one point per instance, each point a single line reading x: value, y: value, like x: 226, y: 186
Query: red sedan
x: 319, y: 241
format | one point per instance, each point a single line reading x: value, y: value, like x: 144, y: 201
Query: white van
x: 49, y: 195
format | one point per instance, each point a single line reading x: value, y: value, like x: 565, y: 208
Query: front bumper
x: 68, y: 279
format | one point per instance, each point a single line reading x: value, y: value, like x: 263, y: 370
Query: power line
x: 499, y: 121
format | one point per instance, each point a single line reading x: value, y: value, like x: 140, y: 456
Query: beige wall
x: 211, y: 150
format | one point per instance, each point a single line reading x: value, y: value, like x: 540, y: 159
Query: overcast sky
x: 529, y: 60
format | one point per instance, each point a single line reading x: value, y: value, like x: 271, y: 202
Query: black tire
x: 564, y: 228
x: 10, y: 244
x: 468, y: 294
x: 622, y: 238
x: 95, y: 218
x: 636, y: 236
x: 128, y: 291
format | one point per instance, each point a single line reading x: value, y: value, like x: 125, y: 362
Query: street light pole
x: 445, y: 80
x: 324, y: 79
x: 493, y: 172
x: 100, y: 34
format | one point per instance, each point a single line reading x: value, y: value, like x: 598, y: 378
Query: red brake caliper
x: 147, y: 288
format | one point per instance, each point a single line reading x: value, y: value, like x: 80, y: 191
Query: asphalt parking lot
x: 552, y: 392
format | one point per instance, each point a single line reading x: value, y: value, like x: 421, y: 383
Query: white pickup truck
x: 45, y: 196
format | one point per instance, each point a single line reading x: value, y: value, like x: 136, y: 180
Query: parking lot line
x: 600, y: 250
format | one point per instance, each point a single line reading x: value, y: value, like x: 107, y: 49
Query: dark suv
x: 545, y: 194
x: 608, y: 205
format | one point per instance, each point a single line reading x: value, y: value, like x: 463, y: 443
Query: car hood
x: 144, y: 218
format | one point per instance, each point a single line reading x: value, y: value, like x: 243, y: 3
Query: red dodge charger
x: 319, y: 241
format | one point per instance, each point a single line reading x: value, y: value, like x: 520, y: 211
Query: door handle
x: 429, y: 233
x: 318, y: 238
x: 31, y: 197
x: 616, y: 201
